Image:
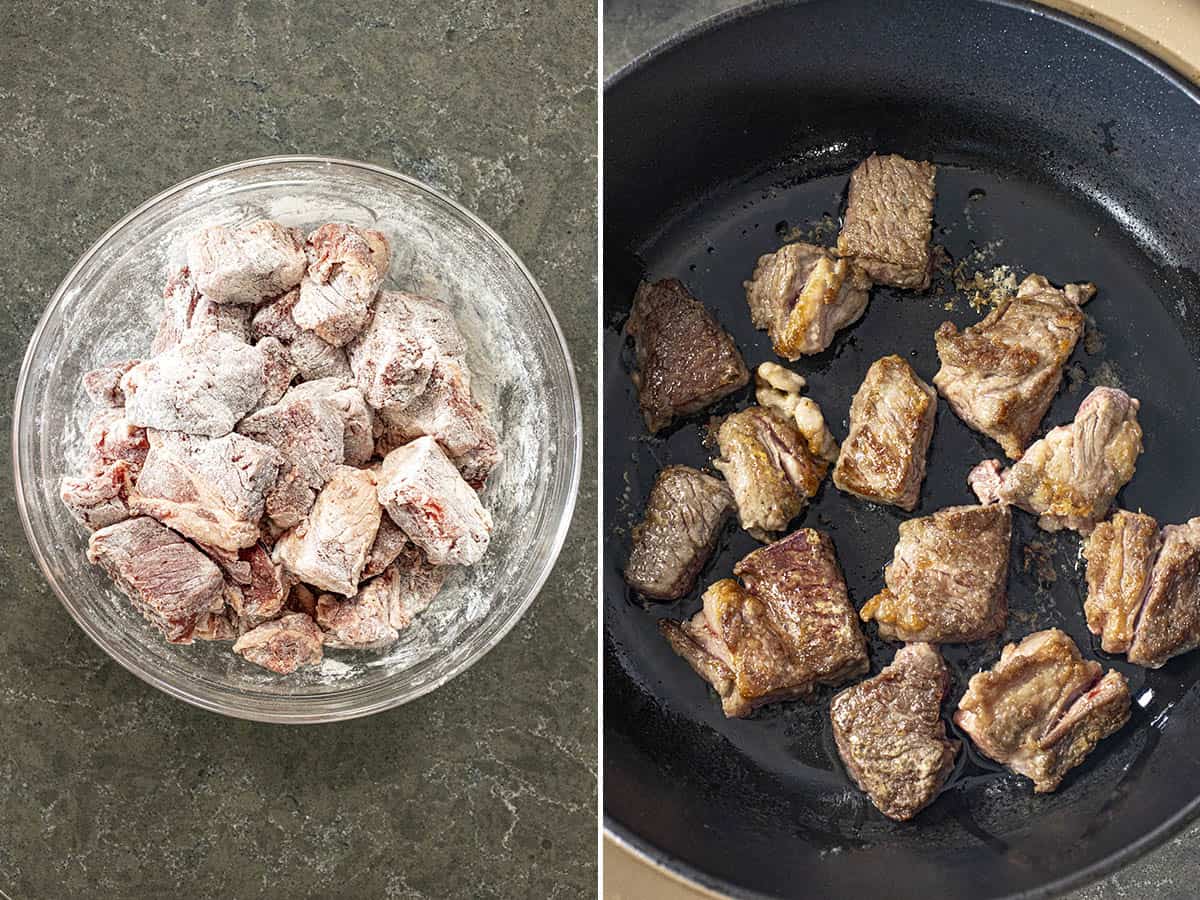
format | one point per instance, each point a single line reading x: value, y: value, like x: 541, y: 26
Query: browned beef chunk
x: 891, y: 423
x: 947, y: 582
x: 246, y: 265
x: 282, y: 645
x: 802, y: 295
x: 889, y: 220
x: 1000, y: 375
x: 684, y: 514
x: 1120, y: 554
x: 890, y: 734
x: 1070, y: 477
x: 1169, y: 622
x: 1043, y: 708
x: 685, y: 360
x: 168, y: 580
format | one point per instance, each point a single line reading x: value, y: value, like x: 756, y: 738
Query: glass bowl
x: 107, y: 308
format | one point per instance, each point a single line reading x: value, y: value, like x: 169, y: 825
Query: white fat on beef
x: 426, y: 496
x: 246, y: 265
x: 329, y: 548
x: 346, y: 266
x: 212, y: 490
x: 202, y: 385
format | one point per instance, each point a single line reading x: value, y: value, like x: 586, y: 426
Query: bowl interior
x: 107, y: 309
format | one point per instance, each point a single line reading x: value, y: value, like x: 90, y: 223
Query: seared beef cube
x: 359, y: 622
x: 802, y: 295
x: 203, y: 385
x: 282, y: 645
x: 246, y: 265
x: 801, y: 583
x: 684, y: 515
x: 685, y: 360
x: 168, y: 580
x: 1043, y: 708
x: 210, y: 489
x: 1070, y: 477
x: 103, y: 385
x: 446, y: 412
x: 393, y: 357
x: 262, y: 596
x: 1120, y: 554
x: 734, y: 645
x: 1169, y: 623
x: 427, y: 497
x: 346, y: 266
x: 889, y: 220
x: 769, y: 467
x: 358, y: 436
x: 891, y: 423
x: 1000, y: 375
x: 111, y: 438
x: 413, y: 583
x: 100, y: 497
x: 309, y: 435
x: 890, y: 734
x: 329, y: 548
x: 947, y: 582
x: 390, y: 541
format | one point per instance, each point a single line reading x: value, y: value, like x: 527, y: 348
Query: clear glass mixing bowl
x: 107, y: 308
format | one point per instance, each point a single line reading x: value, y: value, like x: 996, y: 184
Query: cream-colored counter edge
x: 1170, y: 30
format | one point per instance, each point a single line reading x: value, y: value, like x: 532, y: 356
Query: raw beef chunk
x: 111, y: 438
x: 358, y: 436
x: 100, y: 497
x: 414, y: 583
x: 282, y: 645
x: 278, y: 370
x: 346, y: 266
x: 358, y: 622
x: 246, y: 265
x: 389, y: 542
x: 266, y: 589
x: 393, y: 358
x: 103, y: 385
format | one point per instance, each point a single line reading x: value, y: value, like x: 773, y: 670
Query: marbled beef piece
x: 359, y: 622
x: 890, y: 734
x: 110, y: 438
x: 1043, y: 708
x: 168, y: 580
x: 282, y: 645
x: 346, y: 267
x: 802, y: 295
x: 684, y: 515
x: 889, y: 220
x: 246, y: 265
x: 685, y: 360
x: 1000, y: 375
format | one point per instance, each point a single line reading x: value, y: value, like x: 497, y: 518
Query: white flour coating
x: 432, y: 254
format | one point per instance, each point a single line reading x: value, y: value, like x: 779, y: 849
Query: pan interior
x: 1038, y: 172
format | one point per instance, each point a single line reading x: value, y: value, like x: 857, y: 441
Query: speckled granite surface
x: 1171, y: 872
x: 486, y: 787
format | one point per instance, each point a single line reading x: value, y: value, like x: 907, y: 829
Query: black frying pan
x: 1082, y: 155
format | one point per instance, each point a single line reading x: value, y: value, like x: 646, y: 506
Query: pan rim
x: 624, y: 836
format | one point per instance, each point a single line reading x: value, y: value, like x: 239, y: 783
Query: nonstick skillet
x: 1061, y: 150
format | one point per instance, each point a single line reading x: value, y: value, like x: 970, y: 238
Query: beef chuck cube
x: 358, y: 435
x: 346, y: 266
x: 802, y: 295
x: 1043, y: 708
x: 1070, y: 477
x: 1120, y: 554
x: 684, y: 515
x: 278, y: 369
x: 100, y: 497
x: 427, y: 497
x: 685, y: 360
x: 414, y: 583
x: 203, y: 385
x: 186, y: 309
x: 947, y: 582
x: 359, y: 622
x: 246, y: 265
x: 889, y: 220
x: 734, y: 645
x: 1169, y: 623
x: 329, y: 548
x: 390, y: 541
x: 392, y: 358
x: 111, y: 438
x: 168, y: 580
x: 216, y: 626
x: 282, y: 645
x: 103, y: 385
x: 309, y: 435
x: 770, y: 468
x: 890, y: 734
x: 891, y: 423
x: 801, y: 583
x: 210, y: 489
x: 275, y: 320
x: 446, y: 412
x: 266, y: 589
x: 1000, y: 375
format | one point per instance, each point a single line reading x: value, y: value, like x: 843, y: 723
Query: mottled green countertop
x: 109, y: 788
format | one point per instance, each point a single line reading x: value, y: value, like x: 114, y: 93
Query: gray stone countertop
x: 485, y: 788
x: 1171, y: 872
